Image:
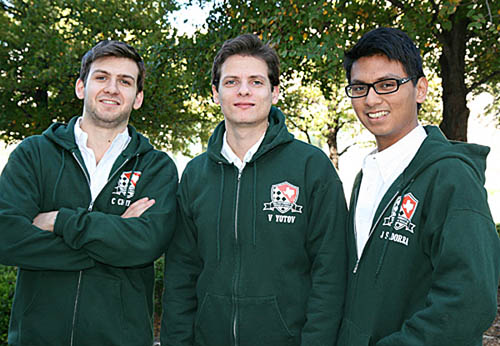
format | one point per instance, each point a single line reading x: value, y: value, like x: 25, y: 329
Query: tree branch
x: 398, y: 4
x: 489, y: 10
x: 300, y: 129
x: 482, y: 81
x: 345, y: 149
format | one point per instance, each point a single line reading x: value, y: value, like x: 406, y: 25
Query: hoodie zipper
x: 371, y: 230
x: 75, y: 307
x: 237, y: 203
x: 236, y: 275
x: 89, y: 208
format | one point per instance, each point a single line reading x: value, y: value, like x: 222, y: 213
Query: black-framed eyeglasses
x: 384, y: 86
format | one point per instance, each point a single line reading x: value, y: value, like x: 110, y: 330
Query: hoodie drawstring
x: 219, y: 213
x: 59, y: 175
x: 386, y: 245
x: 381, y: 260
x: 254, y: 203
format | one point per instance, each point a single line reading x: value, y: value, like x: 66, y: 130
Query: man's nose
x: 244, y: 88
x: 372, y: 98
x: 111, y: 86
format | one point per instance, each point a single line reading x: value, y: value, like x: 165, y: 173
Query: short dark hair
x: 247, y: 45
x: 112, y: 48
x: 391, y: 42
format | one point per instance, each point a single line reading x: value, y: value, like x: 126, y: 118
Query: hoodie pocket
x: 100, y: 317
x: 41, y: 308
x: 351, y: 335
x: 213, y: 321
x: 261, y: 323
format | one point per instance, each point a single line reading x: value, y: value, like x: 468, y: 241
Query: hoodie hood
x: 64, y: 136
x: 436, y: 148
x: 276, y: 134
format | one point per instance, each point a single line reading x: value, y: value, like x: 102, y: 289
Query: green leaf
x: 474, y: 25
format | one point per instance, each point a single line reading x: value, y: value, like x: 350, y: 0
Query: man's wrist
x: 59, y: 221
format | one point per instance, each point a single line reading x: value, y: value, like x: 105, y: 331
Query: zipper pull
x: 356, y: 266
x: 91, y: 206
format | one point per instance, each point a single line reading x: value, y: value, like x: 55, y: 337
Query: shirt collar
x: 81, y: 136
x: 231, y: 157
x: 401, y: 152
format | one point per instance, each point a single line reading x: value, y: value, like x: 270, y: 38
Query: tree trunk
x: 331, y: 139
x: 452, y: 62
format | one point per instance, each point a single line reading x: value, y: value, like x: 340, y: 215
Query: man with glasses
x: 423, y: 253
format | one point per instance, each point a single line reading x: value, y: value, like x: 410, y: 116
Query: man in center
x: 259, y: 253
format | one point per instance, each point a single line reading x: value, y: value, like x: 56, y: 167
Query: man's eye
x: 229, y: 82
x: 126, y: 82
x: 387, y: 84
x: 258, y: 82
x: 358, y: 88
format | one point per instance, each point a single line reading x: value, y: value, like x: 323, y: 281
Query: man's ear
x: 138, y: 100
x: 80, y: 89
x: 422, y: 85
x: 215, y: 94
x: 275, y: 94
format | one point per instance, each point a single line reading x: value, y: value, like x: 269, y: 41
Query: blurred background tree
x: 42, y: 43
x: 41, y: 46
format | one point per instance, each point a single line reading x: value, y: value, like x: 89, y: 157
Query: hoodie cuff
x: 62, y: 218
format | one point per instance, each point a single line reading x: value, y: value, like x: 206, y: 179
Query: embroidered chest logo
x: 401, y: 215
x: 283, y: 199
x: 125, y: 188
x: 409, y: 206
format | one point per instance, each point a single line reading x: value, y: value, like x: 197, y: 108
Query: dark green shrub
x: 7, y: 287
x: 158, y: 294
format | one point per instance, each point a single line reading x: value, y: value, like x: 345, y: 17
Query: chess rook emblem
x: 408, y: 207
x: 126, y: 184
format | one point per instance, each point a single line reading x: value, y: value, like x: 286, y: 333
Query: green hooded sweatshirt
x: 258, y: 258
x: 90, y: 282
x: 428, y: 275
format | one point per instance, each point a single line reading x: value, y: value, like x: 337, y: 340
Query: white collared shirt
x: 99, y: 173
x: 230, y: 156
x: 380, y: 170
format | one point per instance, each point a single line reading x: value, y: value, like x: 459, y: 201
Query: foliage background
x: 42, y: 41
x: 7, y: 286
